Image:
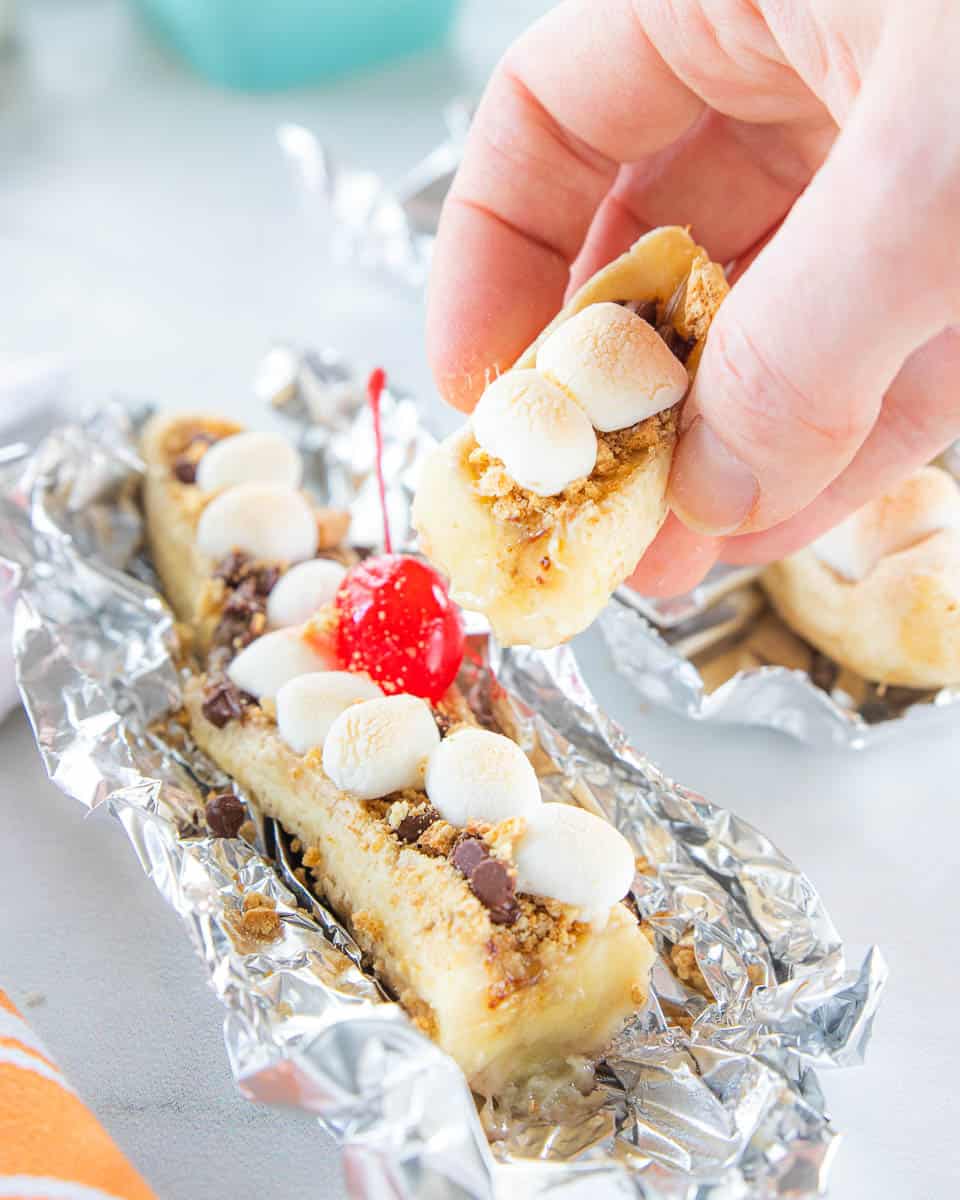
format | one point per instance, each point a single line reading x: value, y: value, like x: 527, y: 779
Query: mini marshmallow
x: 380, y: 746
x: 476, y: 775
x: 263, y: 667
x: 542, y: 437
x: 308, y: 705
x: 250, y: 458
x: 615, y: 365
x: 925, y: 503
x: 303, y: 591
x: 572, y: 856
x: 266, y: 520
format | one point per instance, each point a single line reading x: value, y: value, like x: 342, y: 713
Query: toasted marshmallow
x: 616, y: 366
x: 542, y: 437
x: 250, y: 458
x: 572, y: 856
x: 380, y: 746
x: 308, y: 705
x: 476, y: 775
x: 925, y: 503
x: 263, y: 667
x: 303, y: 591
x: 267, y: 520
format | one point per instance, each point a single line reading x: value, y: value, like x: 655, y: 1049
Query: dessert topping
x: 575, y: 857
x: 225, y: 813
x: 416, y: 823
x: 540, y: 434
x: 476, y: 775
x: 263, y: 667
x: 266, y: 520
x: 398, y: 624
x: 303, y: 590
x: 489, y: 879
x: 250, y: 458
x: 380, y: 746
x: 308, y: 705
x: 614, y: 364
x: 223, y: 701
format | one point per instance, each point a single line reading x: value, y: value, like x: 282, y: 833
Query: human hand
x: 815, y: 146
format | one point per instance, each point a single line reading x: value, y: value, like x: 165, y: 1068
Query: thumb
x: 809, y: 339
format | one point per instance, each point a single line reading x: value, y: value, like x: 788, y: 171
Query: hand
x: 814, y: 144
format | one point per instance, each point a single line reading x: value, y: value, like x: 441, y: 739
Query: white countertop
x: 150, y: 232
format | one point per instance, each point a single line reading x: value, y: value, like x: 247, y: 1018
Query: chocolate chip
x: 185, y: 470
x: 680, y: 348
x: 468, y: 854
x: 646, y: 310
x: 823, y: 671
x: 244, y: 600
x: 492, y: 885
x: 225, y: 814
x: 266, y: 579
x: 443, y: 721
x: 875, y: 711
x: 223, y: 702
x: 232, y: 569
x: 415, y: 823
x: 489, y: 880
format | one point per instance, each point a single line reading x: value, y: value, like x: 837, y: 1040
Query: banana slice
x: 525, y: 541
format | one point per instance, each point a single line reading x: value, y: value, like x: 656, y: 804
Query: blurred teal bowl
x: 269, y: 44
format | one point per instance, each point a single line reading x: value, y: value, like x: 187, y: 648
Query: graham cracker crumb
x: 259, y: 918
x: 684, y: 963
x: 312, y: 857
x: 438, y: 839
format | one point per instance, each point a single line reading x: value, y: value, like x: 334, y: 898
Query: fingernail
x: 711, y: 490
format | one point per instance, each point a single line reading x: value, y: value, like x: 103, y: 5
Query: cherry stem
x: 375, y: 385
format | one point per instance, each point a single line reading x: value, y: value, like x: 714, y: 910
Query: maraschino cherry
x: 396, y: 619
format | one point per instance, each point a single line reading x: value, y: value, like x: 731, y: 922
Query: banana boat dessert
x: 880, y: 592
x: 327, y: 691
x: 546, y: 499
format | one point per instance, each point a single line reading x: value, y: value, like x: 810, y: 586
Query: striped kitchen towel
x: 51, y: 1146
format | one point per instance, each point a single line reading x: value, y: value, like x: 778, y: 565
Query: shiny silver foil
x: 389, y: 229
x: 701, y: 1097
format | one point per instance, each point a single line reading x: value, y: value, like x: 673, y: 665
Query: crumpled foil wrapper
x: 702, y: 1096
x: 389, y: 229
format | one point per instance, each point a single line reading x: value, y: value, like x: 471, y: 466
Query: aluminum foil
x: 712, y: 1091
x: 389, y: 229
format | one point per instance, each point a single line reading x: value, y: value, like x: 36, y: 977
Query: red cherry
x: 398, y: 623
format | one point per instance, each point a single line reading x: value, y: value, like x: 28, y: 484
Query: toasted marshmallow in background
x: 614, y: 364
x: 308, y: 705
x: 925, y: 503
x: 250, y: 458
x: 267, y: 520
x: 263, y: 667
x: 476, y: 775
x: 575, y: 857
x: 380, y: 746
x: 302, y: 591
x: 542, y: 437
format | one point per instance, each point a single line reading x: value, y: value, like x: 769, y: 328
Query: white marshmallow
x: 263, y: 667
x: 303, y: 591
x: 250, y: 458
x: 481, y: 776
x: 266, y: 520
x: 542, y: 437
x: 925, y: 503
x: 308, y: 705
x: 616, y: 366
x: 380, y: 746
x: 572, y: 856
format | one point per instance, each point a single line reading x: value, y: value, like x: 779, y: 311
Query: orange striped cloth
x: 52, y: 1147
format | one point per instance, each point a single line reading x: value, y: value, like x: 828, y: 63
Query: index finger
x: 583, y: 91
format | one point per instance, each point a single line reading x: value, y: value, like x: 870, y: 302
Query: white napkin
x: 32, y: 401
